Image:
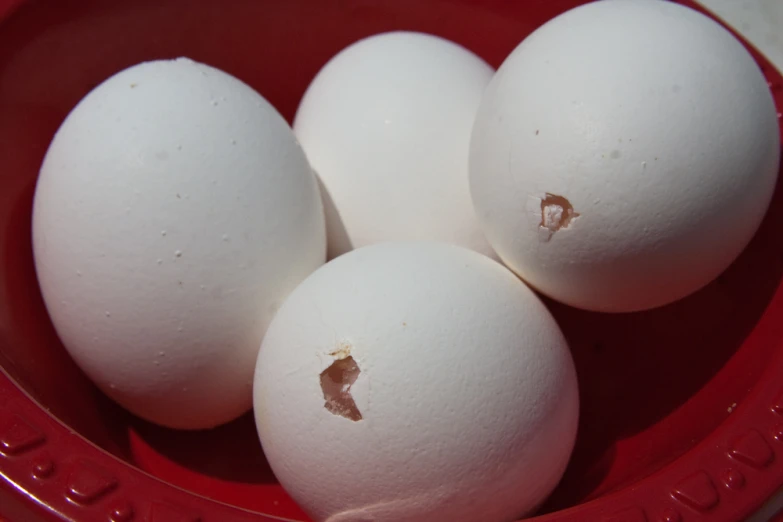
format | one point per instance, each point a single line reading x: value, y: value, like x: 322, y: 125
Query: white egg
x: 624, y: 154
x: 415, y: 381
x: 173, y: 214
x: 386, y: 125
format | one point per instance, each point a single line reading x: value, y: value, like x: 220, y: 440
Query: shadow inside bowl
x: 230, y: 452
x: 638, y: 370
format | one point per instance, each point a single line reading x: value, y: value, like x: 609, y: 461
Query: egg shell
x: 466, y: 390
x: 173, y: 214
x: 624, y: 154
x: 386, y: 125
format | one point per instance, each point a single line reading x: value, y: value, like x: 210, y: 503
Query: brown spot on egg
x: 336, y: 382
x: 556, y: 213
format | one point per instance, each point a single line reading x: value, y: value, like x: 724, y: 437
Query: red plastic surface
x: 682, y: 407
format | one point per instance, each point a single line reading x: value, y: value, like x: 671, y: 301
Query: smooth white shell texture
x: 173, y: 214
x: 467, y: 391
x: 658, y: 128
x: 386, y: 125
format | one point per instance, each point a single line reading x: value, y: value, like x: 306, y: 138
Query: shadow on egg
x: 640, y: 371
x: 338, y: 241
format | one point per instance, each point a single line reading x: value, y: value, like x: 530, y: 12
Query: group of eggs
x: 620, y: 158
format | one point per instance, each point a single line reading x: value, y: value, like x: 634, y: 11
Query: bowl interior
x: 653, y: 384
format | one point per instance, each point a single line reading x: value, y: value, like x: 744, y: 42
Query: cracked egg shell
x: 624, y: 155
x: 417, y: 382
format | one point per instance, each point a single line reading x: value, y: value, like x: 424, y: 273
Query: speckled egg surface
x: 173, y: 214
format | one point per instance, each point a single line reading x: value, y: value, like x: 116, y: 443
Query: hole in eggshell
x: 556, y: 213
x: 336, y: 382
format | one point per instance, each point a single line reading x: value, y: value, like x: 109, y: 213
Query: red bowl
x: 682, y: 407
